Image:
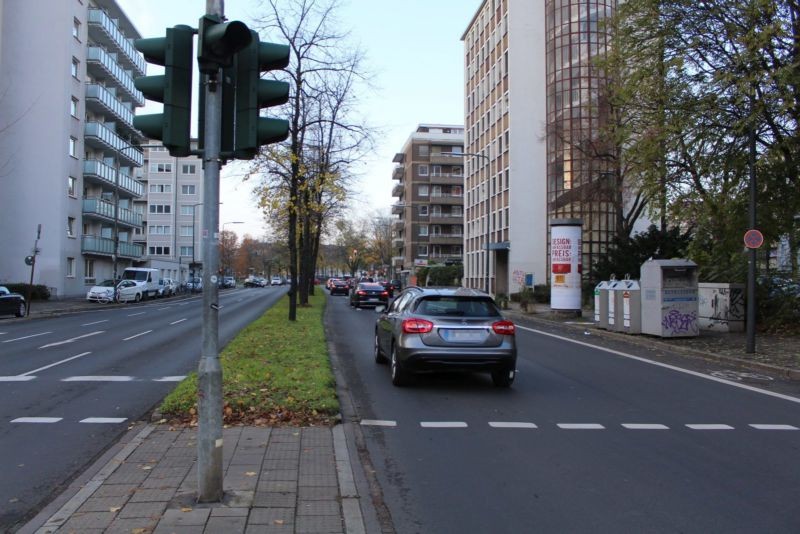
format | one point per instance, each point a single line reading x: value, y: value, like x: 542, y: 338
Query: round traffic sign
x: 753, y: 239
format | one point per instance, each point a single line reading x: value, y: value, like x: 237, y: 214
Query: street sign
x: 753, y: 239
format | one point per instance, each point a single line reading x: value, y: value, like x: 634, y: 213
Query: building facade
x: 66, y: 131
x: 531, y: 166
x: 429, y: 223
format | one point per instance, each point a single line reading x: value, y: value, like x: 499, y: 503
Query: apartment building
x: 532, y: 58
x: 429, y: 223
x: 66, y: 130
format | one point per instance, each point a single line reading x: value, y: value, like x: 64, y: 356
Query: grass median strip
x: 275, y: 372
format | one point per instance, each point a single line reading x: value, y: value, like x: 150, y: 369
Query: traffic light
x: 253, y: 93
x: 218, y: 42
x: 173, y: 88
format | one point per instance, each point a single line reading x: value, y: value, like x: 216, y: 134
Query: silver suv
x: 430, y: 329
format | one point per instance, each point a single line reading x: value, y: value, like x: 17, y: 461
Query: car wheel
x: 399, y: 375
x: 379, y: 357
x: 20, y: 310
x: 503, y: 377
x: 138, y: 297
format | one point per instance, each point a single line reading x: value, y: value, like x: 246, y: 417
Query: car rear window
x: 457, y: 307
x: 371, y: 287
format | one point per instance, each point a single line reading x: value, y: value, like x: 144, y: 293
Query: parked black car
x: 368, y: 294
x: 392, y: 286
x: 11, y: 303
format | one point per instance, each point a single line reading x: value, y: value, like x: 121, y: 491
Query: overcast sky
x: 414, y: 52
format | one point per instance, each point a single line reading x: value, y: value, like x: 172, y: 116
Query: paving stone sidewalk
x: 276, y: 481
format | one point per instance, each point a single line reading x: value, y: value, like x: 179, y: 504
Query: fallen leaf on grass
x: 251, y: 474
x: 187, y: 509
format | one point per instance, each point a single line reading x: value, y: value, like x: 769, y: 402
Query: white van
x: 146, y: 279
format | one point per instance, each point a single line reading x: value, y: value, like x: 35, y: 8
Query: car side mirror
x: 380, y: 309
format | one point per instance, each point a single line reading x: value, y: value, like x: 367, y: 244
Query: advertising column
x: 565, y: 264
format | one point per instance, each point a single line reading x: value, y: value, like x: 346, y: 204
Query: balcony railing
x: 97, y: 134
x: 105, y: 210
x: 447, y: 158
x: 91, y: 244
x: 116, y: 74
x: 446, y: 178
x: 398, y: 172
x: 398, y: 190
x: 446, y: 239
x: 101, y: 98
x: 398, y: 242
x: 108, y: 28
x: 446, y: 198
x: 99, y: 171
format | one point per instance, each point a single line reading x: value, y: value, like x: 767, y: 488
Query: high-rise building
x: 66, y: 130
x: 531, y: 111
x: 429, y: 227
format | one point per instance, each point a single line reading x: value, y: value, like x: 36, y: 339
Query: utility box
x: 628, y: 299
x: 669, y: 298
x: 601, y: 304
x: 721, y: 307
x: 611, y: 316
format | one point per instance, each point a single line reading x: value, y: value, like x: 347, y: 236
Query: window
x: 187, y: 210
x: 423, y: 190
x: 73, y: 107
x: 436, y: 170
x: 160, y: 167
x: 189, y: 169
x: 88, y: 272
x: 73, y: 147
x: 160, y: 188
x: 187, y: 251
x: 76, y: 29
x: 457, y: 171
x: 74, y: 68
x: 71, y: 226
x: 422, y: 170
x: 187, y: 231
x: 188, y: 190
x: 159, y: 251
x: 70, y: 267
x: 423, y: 211
x: 72, y: 186
x: 160, y: 229
x: 424, y: 150
x: 422, y: 250
x: 160, y: 208
x: 423, y: 229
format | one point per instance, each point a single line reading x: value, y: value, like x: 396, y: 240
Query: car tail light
x: 505, y: 328
x: 362, y: 293
x: 384, y: 293
x: 417, y: 326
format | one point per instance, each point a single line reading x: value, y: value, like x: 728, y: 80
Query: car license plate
x: 463, y: 336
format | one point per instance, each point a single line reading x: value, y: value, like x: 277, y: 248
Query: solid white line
x: 580, y: 426
x: 644, y: 426
x: 710, y: 427
x: 71, y: 340
x: 377, y: 422
x: 26, y: 337
x: 443, y: 424
x: 500, y: 424
x: 96, y: 322
x: 104, y: 420
x: 667, y: 366
x: 54, y: 364
x: 98, y: 378
x: 135, y: 314
x: 774, y: 427
x: 16, y: 378
x: 160, y: 309
x: 37, y: 420
x: 169, y: 379
x: 178, y: 321
x: 137, y: 335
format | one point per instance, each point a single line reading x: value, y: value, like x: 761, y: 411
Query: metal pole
x: 33, y: 266
x: 753, y: 254
x: 209, y: 374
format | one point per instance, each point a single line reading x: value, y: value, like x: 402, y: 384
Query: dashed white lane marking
x: 98, y: 378
x: 665, y: 366
x: 377, y: 422
x: 96, y: 322
x: 644, y: 426
x: 26, y: 337
x: 160, y: 309
x: 443, y: 424
x: 502, y: 424
x: 71, y: 340
x: 37, y: 420
x: 178, y: 321
x: 54, y: 364
x: 18, y: 378
x: 580, y: 426
x: 169, y: 379
x: 135, y: 314
x: 137, y: 335
x: 104, y: 420
x: 774, y: 427
x: 709, y: 427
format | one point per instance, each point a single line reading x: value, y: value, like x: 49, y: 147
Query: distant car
x: 167, y: 287
x: 392, y: 286
x: 340, y: 287
x: 129, y: 290
x: 276, y: 281
x: 11, y: 303
x: 368, y: 294
x: 429, y: 329
x: 194, y: 284
x: 102, y: 292
x: 229, y: 282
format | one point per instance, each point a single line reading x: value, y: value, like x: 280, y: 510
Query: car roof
x: 449, y: 291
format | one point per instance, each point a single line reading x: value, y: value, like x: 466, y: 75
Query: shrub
x: 39, y: 292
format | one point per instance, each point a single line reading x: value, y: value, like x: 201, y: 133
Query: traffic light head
x: 173, y: 89
x: 218, y: 42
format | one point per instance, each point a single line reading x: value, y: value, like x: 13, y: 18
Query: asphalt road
x: 588, y: 439
x: 71, y: 385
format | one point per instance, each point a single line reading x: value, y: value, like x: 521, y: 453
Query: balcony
x: 91, y: 244
x: 398, y: 172
x: 398, y: 190
x: 447, y: 199
x: 102, y: 209
x: 398, y: 242
x: 446, y: 179
x: 446, y: 239
x: 446, y: 158
x: 446, y: 218
x: 399, y: 209
x: 98, y: 172
x: 397, y: 261
x: 398, y: 224
x: 99, y: 136
x: 102, y: 101
x: 104, y: 30
x: 104, y: 67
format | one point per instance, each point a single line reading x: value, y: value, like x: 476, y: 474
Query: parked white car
x: 276, y: 281
x: 167, y: 287
x: 128, y: 290
x: 102, y: 292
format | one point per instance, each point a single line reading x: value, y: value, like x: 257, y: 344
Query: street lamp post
x: 224, y: 252
x: 194, y: 240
